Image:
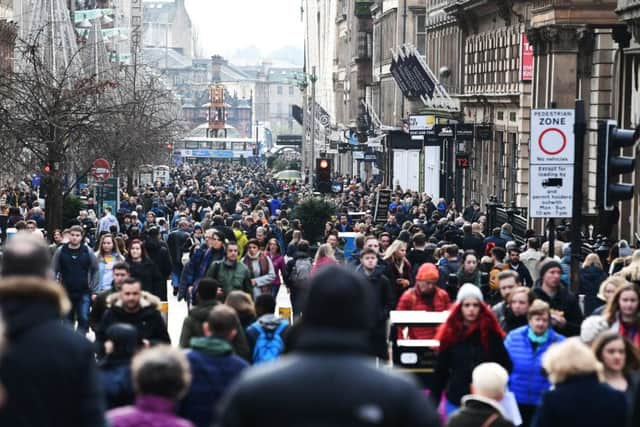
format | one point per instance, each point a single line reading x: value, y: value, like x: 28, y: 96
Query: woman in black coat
x: 578, y: 399
x: 143, y: 269
x: 115, y: 370
x: 591, y: 276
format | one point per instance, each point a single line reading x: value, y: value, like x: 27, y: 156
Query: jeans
x: 175, y: 276
x: 80, y: 312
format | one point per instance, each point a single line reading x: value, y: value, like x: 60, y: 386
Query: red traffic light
x: 324, y: 164
x: 169, y: 146
x: 46, y: 168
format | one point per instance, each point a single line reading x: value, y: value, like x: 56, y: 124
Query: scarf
x: 630, y: 332
x: 538, y: 339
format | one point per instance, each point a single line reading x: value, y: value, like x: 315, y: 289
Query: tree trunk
x: 53, y: 202
x: 129, y: 182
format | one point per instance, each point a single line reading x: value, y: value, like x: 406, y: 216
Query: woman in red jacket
x: 470, y: 336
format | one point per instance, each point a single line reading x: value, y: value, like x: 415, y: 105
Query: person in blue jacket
x: 525, y: 346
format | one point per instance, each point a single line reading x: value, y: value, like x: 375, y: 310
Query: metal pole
x: 312, y: 159
x: 579, y: 130
x: 552, y: 237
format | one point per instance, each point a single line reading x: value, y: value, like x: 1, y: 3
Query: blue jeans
x: 175, y: 276
x: 80, y: 312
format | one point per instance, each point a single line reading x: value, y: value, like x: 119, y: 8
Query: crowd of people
x: 521, y: 344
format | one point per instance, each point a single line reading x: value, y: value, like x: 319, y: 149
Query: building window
x: 512, y: 116
x: 421, y: 34
x: 279, y: 90
x: 500, y: 115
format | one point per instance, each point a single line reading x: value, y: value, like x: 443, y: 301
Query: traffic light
x: 46, y: 168
x: 611, y: 164
x: 323, y: 175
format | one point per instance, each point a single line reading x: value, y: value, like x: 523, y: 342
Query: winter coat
x: 531, y: 259
x: 278, y: 267
x: 476, y: 411
x: 99, y: 306
x: 232, y: 277
x: 159, y: 254
x: 76, y: 269
x: 148, y: 411
x: 147, y: 320
x: 48, y: 371
x: 383, y: 304
x: 523, y: 273
x: 474, y: 278
x: 417, y: 257
x: 581, y: 401
x: 527, y: 381
x: 149, y: 276
x: 177, y: 244
x: 192, y: 328
x: 115, y: 377
x: 411, y: 300
x: 471, y: 242
x: 455, y: 364
x: 358, y: 394
x: 197, y: 267
x: 214, y: 367
x: 260, y: 269
x: 590, y: 280
x: 567, y: 303
x: 394, y: 274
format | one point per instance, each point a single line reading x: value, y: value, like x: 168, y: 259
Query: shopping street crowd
x: 85, y: 343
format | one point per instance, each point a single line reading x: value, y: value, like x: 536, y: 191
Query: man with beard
x: 426, y: 296
x: 374, y: 273
x: 519, y: 267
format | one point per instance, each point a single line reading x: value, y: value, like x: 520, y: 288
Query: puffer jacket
x: 526, y: 380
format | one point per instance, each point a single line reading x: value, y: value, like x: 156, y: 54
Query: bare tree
x: 46, y: 114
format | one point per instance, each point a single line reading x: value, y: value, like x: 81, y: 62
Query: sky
x: 227, y: 25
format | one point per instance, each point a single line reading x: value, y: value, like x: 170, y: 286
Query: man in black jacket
x: 520, y: 268
x: 472, y: 242
x: 566, y: 316
x: 137, y: 308
x: 178, y: 244
x: 48, y: 371
x: 332, y: 341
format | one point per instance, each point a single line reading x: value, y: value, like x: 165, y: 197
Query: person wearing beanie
x: 566, y: 316
x: 332, y: 342
x: 470, y: 336
x: 424, y: 296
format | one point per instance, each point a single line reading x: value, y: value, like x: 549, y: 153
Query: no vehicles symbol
x: 552, y: 141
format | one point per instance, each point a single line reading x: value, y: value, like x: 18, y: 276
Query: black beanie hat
x: 547, y: 265
x: 339, y: 299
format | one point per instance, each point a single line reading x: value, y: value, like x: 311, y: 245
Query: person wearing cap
x: 482, y: 406
x: 332, y: 341
x: 425, y: 296
x: 566, y: 316
x: 470, y: 336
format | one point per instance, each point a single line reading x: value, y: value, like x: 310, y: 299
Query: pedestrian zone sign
x: 551, y: 163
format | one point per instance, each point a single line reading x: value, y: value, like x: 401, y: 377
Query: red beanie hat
x: 429, y: 272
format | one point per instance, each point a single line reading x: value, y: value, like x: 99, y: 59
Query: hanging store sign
x: 526, y: 59
x: 410, y: 74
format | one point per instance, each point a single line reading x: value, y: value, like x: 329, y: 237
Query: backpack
x: 301, y: 271
x: 269, y: 344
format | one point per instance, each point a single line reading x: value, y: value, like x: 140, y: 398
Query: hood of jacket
x: 270, y: 322
x: 146, y: 300
x: 28, y: 300
x: 211, y: 345
x: 201, y: 311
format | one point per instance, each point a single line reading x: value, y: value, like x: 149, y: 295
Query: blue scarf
x: 538, y: 339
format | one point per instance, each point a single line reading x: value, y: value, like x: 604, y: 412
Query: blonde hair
x: 592, y: 259
x: 241, y: 302
x: 568, y: 359
x: 393, y: 248
x: 616, y: 281
x: 325, y: 250
x: 538, y: 308
x: 632, y: 271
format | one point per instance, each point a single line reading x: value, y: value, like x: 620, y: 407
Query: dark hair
x: 632, y: 362
x: 498, y: 252
x: 303, y: 246
x: 467, y: 228
x: 253, y: 242
x: 265, y: 304
x: 131, y: 281
x: 451, y: 250
x: 468, y: 254
x: 359, y: 241
x: 207, y: 288
x: 142, y: 248
x: 368, y: 251
x: 222, y: 319
x: 26, y: 255
x: 122, y: 266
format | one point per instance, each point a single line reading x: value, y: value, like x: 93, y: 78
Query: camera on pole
x: 611, y: 164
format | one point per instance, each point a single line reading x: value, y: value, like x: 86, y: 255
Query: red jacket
x: 410, y: 300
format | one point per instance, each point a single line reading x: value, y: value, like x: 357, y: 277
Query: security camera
x: 444, y: 72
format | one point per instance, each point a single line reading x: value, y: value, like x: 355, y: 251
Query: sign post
x: 101, y: 170
x: 551, y: 163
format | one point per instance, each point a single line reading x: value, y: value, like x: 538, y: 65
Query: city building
x: 8, y: 34
x: 167, y: 24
